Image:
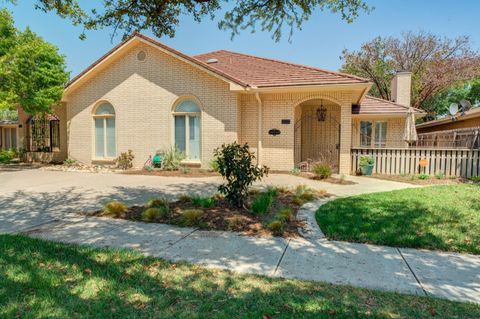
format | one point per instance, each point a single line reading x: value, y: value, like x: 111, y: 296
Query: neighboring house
x: 8, y: 134
x: 145, y: 96
x: 468, y: 119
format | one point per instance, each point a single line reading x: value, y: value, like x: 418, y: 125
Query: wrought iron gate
x: 317, y: 141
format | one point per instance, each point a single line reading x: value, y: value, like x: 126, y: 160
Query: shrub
x: 276, y: 227
x: 69, y: 162
x: 261, y: 204
x: 284, y: 214
x: 125, y: 160
x: 236, y: 165
x: 172, y: 158
x: 295, y: 171
x: 322, y: 171
x: 192, y: 216
x: 6, y: 155
x: 154, y: 213
x: 282, y: 189
x: 115, y: 208
x: 475, y: 179
x: 304, y: 194
x: 440, y: 175
x: 213, y: 165
x: 148, y: 168
x: 366, y: 161
x: 205, y: 202
x: 235, y: 222
x: 423, y: 176
x: 157, y: 202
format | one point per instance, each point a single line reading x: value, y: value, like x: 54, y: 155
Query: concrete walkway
x: 43, y: 204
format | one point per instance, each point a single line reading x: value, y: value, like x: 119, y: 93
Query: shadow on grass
x: 49, y: 280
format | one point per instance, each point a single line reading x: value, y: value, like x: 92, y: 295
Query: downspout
x: 260, y: 128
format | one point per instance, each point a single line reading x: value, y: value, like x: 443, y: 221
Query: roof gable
x: 138, y: 37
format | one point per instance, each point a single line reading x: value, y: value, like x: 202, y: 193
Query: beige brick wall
x: 395, y: 130
x: 143, y: 94
x: 278, y: 151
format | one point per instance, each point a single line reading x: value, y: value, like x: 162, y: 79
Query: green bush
x: 213, y: 165
x: 322, y: 171
x: 295, y: 171
x: 125, y: 160
x: 172, y: 158
x: 366, y: 161
x: 236, y: 165
x: 7, y: 155
x: 440, y: 175
x: 192, y: 217
x: 205, y: 202
x: 154, y: 213
x: 423, y: 176
x: 69, y: 162
x: 261, y: 204
x: 115, y: 208
x: 276, y: 227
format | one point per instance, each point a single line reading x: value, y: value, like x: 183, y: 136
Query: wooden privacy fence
x: 397, y: 161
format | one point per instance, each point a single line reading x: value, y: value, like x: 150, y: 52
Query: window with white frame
x: 380, y: 134
x: 104, y: 123
x: 366, y: 129
x: 187, y: 116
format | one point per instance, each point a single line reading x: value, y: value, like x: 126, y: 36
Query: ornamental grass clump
x: 115, y: 209
x: 154, y: 213
x: 304, y: 194
x: 237, y: 166
x: 322, y: 171
x: 192, y: 217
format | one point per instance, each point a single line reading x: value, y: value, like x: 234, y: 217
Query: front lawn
x: 437, y: 217
x: 40, y: 279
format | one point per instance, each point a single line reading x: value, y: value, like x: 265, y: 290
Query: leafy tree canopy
x: 440, y: 103
x: 32, y: 72
x: 162, y: 16
x: 436, y: 64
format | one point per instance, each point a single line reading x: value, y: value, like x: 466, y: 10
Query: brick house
x: 145, y: 96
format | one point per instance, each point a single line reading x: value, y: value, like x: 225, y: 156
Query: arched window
x: 104, y: 118
x: 187, y: 129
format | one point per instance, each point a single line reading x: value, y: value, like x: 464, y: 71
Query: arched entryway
x: 317, y: 134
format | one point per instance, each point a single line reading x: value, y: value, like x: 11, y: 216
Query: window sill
x: 191, y: 162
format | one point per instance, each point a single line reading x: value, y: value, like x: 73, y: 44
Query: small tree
x: 235, y: 164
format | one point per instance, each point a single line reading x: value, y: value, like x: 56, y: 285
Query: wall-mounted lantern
x: 321, y: 113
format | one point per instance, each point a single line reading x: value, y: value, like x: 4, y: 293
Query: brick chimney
x: 402, y: 88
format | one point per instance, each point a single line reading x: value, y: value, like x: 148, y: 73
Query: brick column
x: 345, y: 138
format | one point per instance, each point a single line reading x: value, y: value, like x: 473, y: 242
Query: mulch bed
x: 226, y: 218
x: 191, y: 172
x: 416, y: 181
x: 331, y: 180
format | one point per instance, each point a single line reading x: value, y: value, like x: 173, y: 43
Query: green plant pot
x: 367, y: 170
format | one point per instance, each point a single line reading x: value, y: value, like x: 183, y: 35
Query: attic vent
x: 212, y: 61
x: 141, y: 56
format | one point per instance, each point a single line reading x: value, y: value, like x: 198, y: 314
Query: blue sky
x: 319, y: 43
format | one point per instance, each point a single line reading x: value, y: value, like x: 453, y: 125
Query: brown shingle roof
x: 373, y: 105
x: 262, y: 72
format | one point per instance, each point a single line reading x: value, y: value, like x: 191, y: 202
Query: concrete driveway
x: 42, y: 204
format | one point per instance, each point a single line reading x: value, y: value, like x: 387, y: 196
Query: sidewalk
x: 445, y: 275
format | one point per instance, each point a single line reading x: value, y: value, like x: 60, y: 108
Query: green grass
x: 40, y: 279
x: 438, y: 217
